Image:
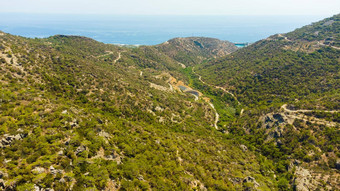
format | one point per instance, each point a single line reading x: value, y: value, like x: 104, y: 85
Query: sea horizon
x: 151, y: 29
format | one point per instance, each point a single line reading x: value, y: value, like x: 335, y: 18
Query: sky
x: 174, y: 7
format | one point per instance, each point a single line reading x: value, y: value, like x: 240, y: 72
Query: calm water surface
x: 150, y: 30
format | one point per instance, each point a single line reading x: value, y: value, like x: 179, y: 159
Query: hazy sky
x: 175, y: 7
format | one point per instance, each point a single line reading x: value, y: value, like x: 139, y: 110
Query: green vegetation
x: 76, y: 114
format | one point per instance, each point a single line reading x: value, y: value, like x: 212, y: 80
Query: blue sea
x: 151, y: 30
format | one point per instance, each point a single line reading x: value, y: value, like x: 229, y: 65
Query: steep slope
x: 82, y: 115
x: 284, y: 67
x: 290, y: 87
x: 194, y: 50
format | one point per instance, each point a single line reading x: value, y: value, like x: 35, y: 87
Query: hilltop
x: 194, y: 50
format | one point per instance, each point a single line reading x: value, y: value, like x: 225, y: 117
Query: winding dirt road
x: 298, y: 114
x: 284, y: 107
x: 217, y: 87
x: 119, y: 56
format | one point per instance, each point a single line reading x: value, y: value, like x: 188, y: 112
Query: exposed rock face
x: 55, y: 171
x: 80, y: 149
x: 273, y: 120
x: 8, y: 139
x: 251, y: 180
x: 303, y: 180
x: 38, y: 170
x: 274, y: 124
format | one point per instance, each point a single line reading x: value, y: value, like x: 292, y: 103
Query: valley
x: 192, y: 113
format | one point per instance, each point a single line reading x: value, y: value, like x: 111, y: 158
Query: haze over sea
x: 151, y: 30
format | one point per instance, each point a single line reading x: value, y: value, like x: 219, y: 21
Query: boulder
x: 303, y: 180
x: 2, y: 184
x: 337, y: 164
x: 3, y: 174
x: 244, y: 148
x: 80, y: 149
x: 38, y: 170
x: 252, y: 180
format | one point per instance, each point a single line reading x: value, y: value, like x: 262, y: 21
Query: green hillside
x: 75, y: 116
x: 289, y: 87
x: 189, y: 114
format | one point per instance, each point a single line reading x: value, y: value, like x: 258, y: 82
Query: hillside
x: 283, y: 68
x: 78, y: 114
x: 289, y: 87
x: 189, y: 114
x: 194, y: 50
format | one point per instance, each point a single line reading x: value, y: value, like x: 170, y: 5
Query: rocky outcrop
x: 337, y: 164
x: 55, y: 171
x: 251, y: 180
x: 303, y: 180
x: 80, y: 149
x: 8, y: 139
x: 273, y: 120
x: 38, y: 170
x: 244, y: 148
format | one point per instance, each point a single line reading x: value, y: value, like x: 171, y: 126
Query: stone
x: 74, y: 123
x: 60, y: 153
x: 250, y: 179
x: 2, y: 184
x: 53, y: 170
x: 62, y: 180
x: 3, y: 174
x: 303, y: 180
x: 337, y: 164
x: 38, y: 170
x: 80, y: 149
x: 244, y: 148
x: 17, y: 137
x: 157, y: 108
x: 36, y: 188
x: 140, y: 177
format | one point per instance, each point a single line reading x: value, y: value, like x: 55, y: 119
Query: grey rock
x: 62, y: 180
x: 80, y: 149
x: 17, y: 137
x: 8, y: 139
x: 250, y: 179
x: 36, y: 188
x: 60, y: 153
x: 337, y: 164
x: 140, y: 177
x: 3, y: 174
x: 38, y: 170
x: 74, y: 123
x: 244, y: 148
x: 2, y: 184
x: 53, y: 170
x: 303, y: 180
